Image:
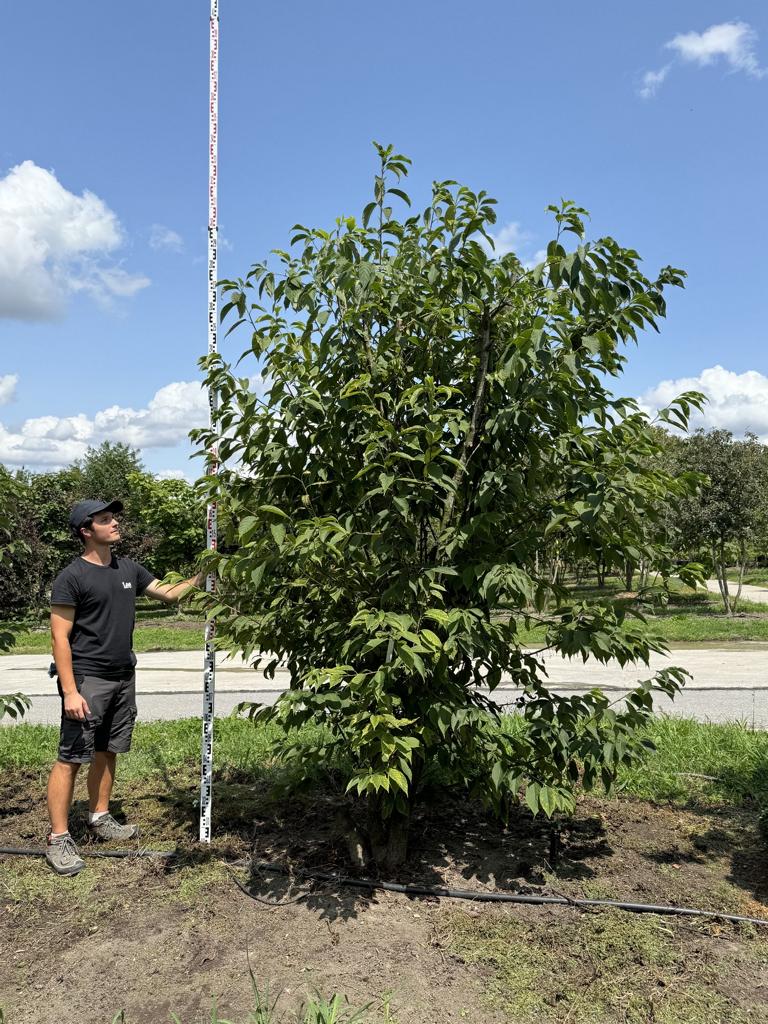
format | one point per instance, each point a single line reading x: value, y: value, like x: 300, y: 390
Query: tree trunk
x: 388, y: 837
x: 601, y: 571
x: 629, y: 575
x: 554, y: 571
x: 742, y: 568
x: 718, y: 562
x: 643, y: 582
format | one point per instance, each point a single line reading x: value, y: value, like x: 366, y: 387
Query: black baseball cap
x: 89, y: 507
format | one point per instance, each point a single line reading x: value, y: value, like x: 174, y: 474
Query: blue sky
x: 652, y: 116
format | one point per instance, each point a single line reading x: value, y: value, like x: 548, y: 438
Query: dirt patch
x: 154, y: 938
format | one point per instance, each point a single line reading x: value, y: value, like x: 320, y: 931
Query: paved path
x: 729, y: 683
x: 749, y: 591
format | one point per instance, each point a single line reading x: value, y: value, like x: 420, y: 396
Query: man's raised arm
x: 169, y: 593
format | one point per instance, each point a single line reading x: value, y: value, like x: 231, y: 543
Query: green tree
x: 110, y: 472
x: 14, y: 704
x: 730, y: 512
x: 39, y: 522
x: 106, y: 470
x: 172, y: 519
x: 434, y: 417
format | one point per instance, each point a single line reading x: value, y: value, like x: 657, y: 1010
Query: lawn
x: 690, y: 617
x: 173, y: 936
x: 158, y: 628
x: 755, y: 577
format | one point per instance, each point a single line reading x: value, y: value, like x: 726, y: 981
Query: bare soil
x: 154, y: 938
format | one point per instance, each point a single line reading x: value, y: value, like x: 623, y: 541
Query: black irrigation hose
x: 479, y: 896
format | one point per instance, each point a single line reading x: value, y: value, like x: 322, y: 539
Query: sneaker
x: 61, y: 853
x: 106, y: 827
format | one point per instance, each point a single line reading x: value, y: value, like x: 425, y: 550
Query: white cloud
x: 508, y: 238
x: 8, y: 388
x: 161, y: 237
x: 732, y: 40
x: 737, y: 401
x: 52, y: 243
x: 172, y: 474
x: 652, y: 80
x: 170, y: 415
x: 118, y: 282
x: 511, y: 237
x: 49, y: 442
x: 538, y: 257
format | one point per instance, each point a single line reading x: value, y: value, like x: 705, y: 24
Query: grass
x: 689, y: 617
x: 734, y: 758
x: 158, y: 747
x: 159, y: 627
x: 754, y: 577
x: 184, y: 636
x: 318, y: 1010
x: 609, y: 968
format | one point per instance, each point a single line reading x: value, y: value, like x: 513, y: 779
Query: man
x: 93, y: 604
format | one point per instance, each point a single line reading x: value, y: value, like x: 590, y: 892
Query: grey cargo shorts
x: 108, y: 727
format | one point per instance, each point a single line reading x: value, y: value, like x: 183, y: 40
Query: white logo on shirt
x: 127, y: 586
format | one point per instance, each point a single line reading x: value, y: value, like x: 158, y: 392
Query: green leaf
x: 278, y: 532
x: 399, y: 779
x: 547, y: 800
x: 399, y: 192
x: 274, y: 510
x: 532, y: 796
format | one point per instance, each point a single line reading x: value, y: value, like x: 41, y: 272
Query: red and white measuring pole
x: 209, y: 672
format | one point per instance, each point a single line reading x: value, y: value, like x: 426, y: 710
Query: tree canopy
x: 433, y: 416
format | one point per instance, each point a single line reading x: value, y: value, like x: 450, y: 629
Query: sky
x: 652, y: 116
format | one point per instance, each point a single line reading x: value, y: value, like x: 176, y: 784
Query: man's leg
x: 101, y: 779
x: 112, y: 737
x: 75, y: 748
x: 61, y: 786
x: 60, y: 850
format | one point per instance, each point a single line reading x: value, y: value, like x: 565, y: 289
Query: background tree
x: 172, y: 521
x: 106, y: 469
x: 39, y: 522
x: 435, y: 416
x: 14, y: 704
x: 107, y: 472
x: 731, y: 511
x: 163, y: 523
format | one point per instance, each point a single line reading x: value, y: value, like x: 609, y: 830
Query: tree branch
x: 481, y: 380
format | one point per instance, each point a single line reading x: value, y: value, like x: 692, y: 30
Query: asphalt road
x: 729, y: 683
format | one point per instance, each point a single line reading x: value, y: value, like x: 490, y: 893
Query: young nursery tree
x: 432, y: 416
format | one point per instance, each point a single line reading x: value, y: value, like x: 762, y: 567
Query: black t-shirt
x: 104, y: 599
